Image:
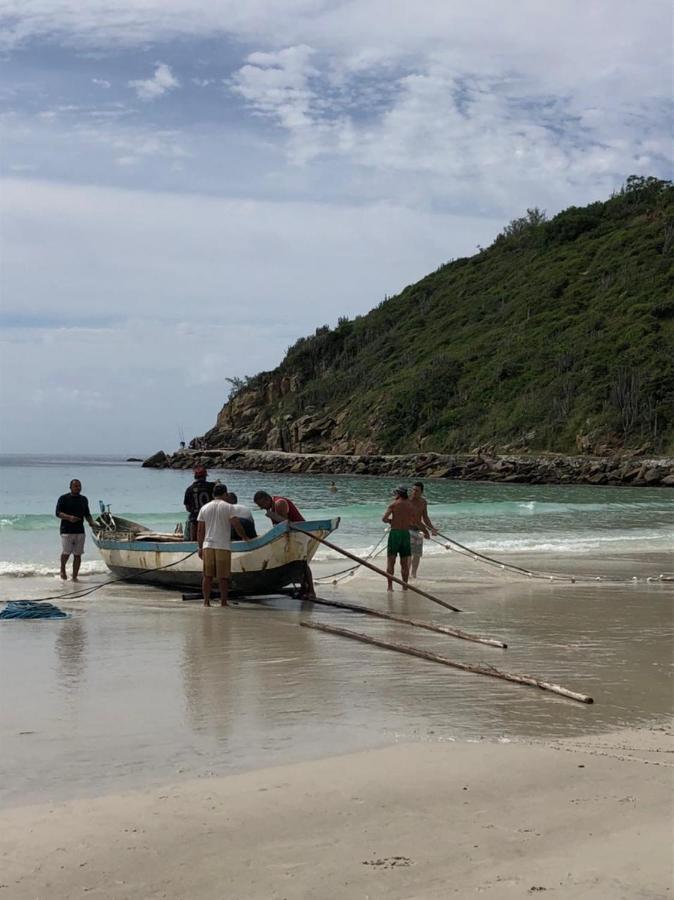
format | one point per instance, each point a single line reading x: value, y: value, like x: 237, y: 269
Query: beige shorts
x: 416, y: 542
x: 72, y: 543
x: 217, y: 563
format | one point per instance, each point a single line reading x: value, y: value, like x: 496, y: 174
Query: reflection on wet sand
x: 71, y: 647
x: 250, y: 668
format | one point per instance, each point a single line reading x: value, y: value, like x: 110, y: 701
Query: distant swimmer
x: 421, y: 527
x: 281, y: 509
x: 333, y: 487
x: 198, y: 494
x: 72, y: 509
x: 400, y: 515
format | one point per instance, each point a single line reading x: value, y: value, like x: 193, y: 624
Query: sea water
x: 491, y: 518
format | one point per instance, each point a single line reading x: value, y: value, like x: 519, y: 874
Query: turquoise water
x: 488, y: 517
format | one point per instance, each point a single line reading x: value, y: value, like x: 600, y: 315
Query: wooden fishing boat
x: 263, y: 565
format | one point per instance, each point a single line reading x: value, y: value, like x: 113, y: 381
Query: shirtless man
x: 421, y: 526
x: 400, y: 515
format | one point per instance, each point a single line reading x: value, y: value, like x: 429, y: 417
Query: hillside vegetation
x: 559, y: 336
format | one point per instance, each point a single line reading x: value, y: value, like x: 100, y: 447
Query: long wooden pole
x: 429, y: 626
x: 435, y: 657
x: 379, y: 571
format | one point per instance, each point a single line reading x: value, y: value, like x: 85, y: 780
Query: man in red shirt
x: 278, y: 509
x: 281, y: 509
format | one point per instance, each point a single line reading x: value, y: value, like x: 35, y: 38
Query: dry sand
x: 583, y: 818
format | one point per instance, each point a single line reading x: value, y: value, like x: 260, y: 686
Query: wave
x: 526, y: 543
x: 40, y: 522
x: 39, y: 570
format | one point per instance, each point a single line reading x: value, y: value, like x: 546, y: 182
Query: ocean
x: 491, y: 518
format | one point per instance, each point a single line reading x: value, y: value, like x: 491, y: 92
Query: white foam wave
x: 32, y: 569
x: 520, y: 543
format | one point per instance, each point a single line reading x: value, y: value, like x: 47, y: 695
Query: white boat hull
x: 262, y: 565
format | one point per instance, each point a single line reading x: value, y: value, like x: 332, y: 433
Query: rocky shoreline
x: 479, y: 466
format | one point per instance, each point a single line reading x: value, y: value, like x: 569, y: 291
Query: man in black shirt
x: 198, y: 494
x: 72, y: 509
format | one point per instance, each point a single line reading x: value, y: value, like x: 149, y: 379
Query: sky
x: 188, y: 187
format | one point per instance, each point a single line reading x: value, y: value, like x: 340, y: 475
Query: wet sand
x: 138, y: 690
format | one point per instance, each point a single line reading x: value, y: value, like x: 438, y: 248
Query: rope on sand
x: 362, y: 562
x: 462, y: 550
x: 343, y: 574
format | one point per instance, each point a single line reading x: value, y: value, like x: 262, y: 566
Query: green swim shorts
x: 399, y: 542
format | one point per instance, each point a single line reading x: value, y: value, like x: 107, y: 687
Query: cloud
x: 187, y: 278
x: 162, y: 81
x: 101, y: 82
x: 447, y: 133
x: 278, y: 85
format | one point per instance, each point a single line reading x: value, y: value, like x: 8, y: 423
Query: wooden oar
x: 379, y: 571
x: 435, y: 657
x: 429, y: 626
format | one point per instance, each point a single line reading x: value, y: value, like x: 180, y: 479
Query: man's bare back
x: 400, y: 514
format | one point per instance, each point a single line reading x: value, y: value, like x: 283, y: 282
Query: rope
x: 336, y: 577
x: 530, y: 573
x: 75, y: 595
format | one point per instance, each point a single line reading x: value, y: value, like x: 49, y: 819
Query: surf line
x: 436, y: 657
x: 379, y: 571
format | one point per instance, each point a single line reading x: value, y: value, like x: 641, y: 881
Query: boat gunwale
x: 269, y: 537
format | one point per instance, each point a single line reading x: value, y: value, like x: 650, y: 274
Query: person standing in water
x: 72, y: 509
x: 421, y: 527
x: 198, y: 494
x: 400, y: 514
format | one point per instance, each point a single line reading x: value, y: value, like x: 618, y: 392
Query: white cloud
x: 101, y: 82
x: 162, y: 81
x: 278, y: 85
x: 150, y: 284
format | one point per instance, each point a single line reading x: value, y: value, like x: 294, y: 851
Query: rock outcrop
x: 479, y: 466
x: 254, y: 419
x: 158, y: 460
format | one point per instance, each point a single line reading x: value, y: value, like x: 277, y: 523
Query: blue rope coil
x: 30, y: 609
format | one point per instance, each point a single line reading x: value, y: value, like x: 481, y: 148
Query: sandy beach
x: 157, y: 749
x: 584, y: 818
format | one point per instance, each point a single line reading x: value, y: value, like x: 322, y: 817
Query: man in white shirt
x: 214, y: 525
x: 243, y: 514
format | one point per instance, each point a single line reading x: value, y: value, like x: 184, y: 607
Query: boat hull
x: 263, y: 565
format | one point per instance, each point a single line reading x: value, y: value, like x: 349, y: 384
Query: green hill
x: 559, y: 336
